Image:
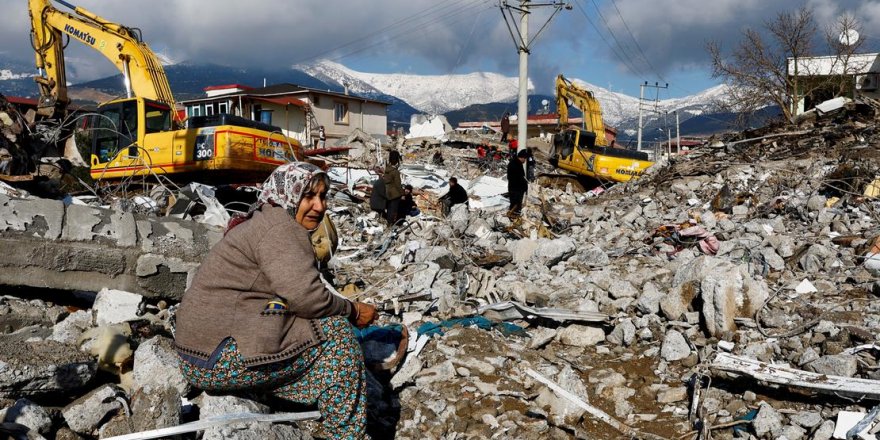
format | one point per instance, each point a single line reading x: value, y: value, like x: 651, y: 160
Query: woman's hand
x: 362, y: 314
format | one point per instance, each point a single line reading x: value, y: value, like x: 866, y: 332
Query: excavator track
x: 562, y: 181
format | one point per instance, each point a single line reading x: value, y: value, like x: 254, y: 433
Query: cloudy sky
x: 616, y: 44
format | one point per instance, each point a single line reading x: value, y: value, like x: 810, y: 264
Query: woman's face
x: 312, y: 207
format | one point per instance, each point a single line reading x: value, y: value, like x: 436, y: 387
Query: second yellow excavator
x: 142, y: 134
x: 587, y: 152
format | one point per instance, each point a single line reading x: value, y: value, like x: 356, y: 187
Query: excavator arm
x: 583, y: 99
x: 143, y: 73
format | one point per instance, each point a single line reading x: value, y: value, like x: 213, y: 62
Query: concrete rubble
x: 650, y: 334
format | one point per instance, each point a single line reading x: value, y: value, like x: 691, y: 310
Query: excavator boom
x: 143, y: 73
x: 583, y: 99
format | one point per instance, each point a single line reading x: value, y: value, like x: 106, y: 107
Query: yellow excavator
x: 587, y: 152
x: 142, y: 134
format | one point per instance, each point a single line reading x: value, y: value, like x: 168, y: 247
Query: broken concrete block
x: 86, y: 413
x: 458, y: 218
x: 159, y: 408
x: 523, y: 250
x: 551, y: 252
x: 423, y: 278
x: 580, y: 335
x: 767, y: 421
x: 438, y: 255
x: 27, y: 413
x: 835, y: 365
x: 42, y: 368
x: 215, y: 406
x: 622, y: 289
x: 722, y: 296
x: 71, y: 328
x: 675, y: 346
x: 649, y: 301
x: 116, y: 306
x: 540, y: 337
x: 156, y: 367
x: 672, y: 395
x: 623, y: 333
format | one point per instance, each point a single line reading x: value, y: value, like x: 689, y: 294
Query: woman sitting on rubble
x: 258, y: 317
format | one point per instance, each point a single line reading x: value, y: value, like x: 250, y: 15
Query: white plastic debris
x: 805, y: 287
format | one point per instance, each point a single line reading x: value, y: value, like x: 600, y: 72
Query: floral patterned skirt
x: 330, y: 375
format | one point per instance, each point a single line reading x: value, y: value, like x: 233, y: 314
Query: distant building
x: 543, y: 125
x: 297, y: 111
x: 858, y: 74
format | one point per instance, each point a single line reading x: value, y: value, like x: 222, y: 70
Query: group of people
x: 390, y: 198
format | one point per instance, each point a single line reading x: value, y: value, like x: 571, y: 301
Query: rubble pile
x: 728, y: 293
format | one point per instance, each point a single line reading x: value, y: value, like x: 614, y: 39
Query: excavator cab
x: 564, y: 143
x: 120, y: 127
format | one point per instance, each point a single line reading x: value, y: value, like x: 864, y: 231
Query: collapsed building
x: 728, y: 293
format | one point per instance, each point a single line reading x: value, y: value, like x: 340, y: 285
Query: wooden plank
x: 725, y: 363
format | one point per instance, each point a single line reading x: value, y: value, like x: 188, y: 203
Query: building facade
x: 298, y: 112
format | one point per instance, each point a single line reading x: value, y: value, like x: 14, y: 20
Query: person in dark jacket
x: 257, y: 316
x: 407, y: 206
x: 377, y: 197
x: 393, y: 186
x: 517, y: 185
x: 456, y: 195
x: 505, y: 126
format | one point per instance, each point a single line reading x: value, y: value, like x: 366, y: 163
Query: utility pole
x: 522, y: 42
x: 677, y: 134
x: 656, y: 100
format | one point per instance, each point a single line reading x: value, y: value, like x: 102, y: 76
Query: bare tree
x: 843, y: 39
x: 772, y: 70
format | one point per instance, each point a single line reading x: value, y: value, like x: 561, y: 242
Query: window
x: 223, y: 107
x: 195, y: 111
x: 317, y: 100
x: 209, y: 109
x: 158, y: 118
x: 340, y: 113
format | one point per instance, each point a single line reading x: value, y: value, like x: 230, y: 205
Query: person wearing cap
x: 517, y: 185
x: 258, y: 317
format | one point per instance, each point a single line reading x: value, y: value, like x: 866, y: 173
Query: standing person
x: 377, y: 197
x: 512, y: 148
x: 505, y: 126
x: 517, y: 185
x: 258, y: 317
x: 530, y: 164
x: 456, y: 195
x: 322, y: 137
x: 393, y: 186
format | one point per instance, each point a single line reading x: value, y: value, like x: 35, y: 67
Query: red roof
x: 23, y: 101
x: 281, y: 100
x: 228, y: 86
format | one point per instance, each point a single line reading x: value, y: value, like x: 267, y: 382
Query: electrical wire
x: 623, y: 60
x: 638, y: 46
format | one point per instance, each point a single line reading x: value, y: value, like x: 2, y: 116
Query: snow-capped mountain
x: 6, y: 74
x: 436, y: 94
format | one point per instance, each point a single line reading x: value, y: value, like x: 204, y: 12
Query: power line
x: 623, y: 48
x: 638, y: 46
x: 623, y: 59
x: 438, y: 9
x: 417, y: 27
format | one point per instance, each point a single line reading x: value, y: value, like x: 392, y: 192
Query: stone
x: 551, y: 252
x: 156, y: 367
x: 622, y: 289
x: 767, y: 420
x: 85, y: 414
x: 776, y: 263
x: 593, y: 256
x: 835, y: 365
x: 523, y: 250
x: 807, y: 420
x: 27, y: 413
x: 439, y: 255
x: 423, y: 279
x: 825, y: 431
x: 793, y: 432
x: 116, y: 306
x: 580, y: 335
x: 458, y: 218
x: 215, y: 406
x: 411, y: 367
x: 675, y: 347
x: 442, y: 372
x: 540, y: 337
x: 816, y: 202
x: 672, y: 395
x: 42, y: 368
x: 158, y: 408
x: 623, y: 334
x: 69, y: 330
x: 649, y: 300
